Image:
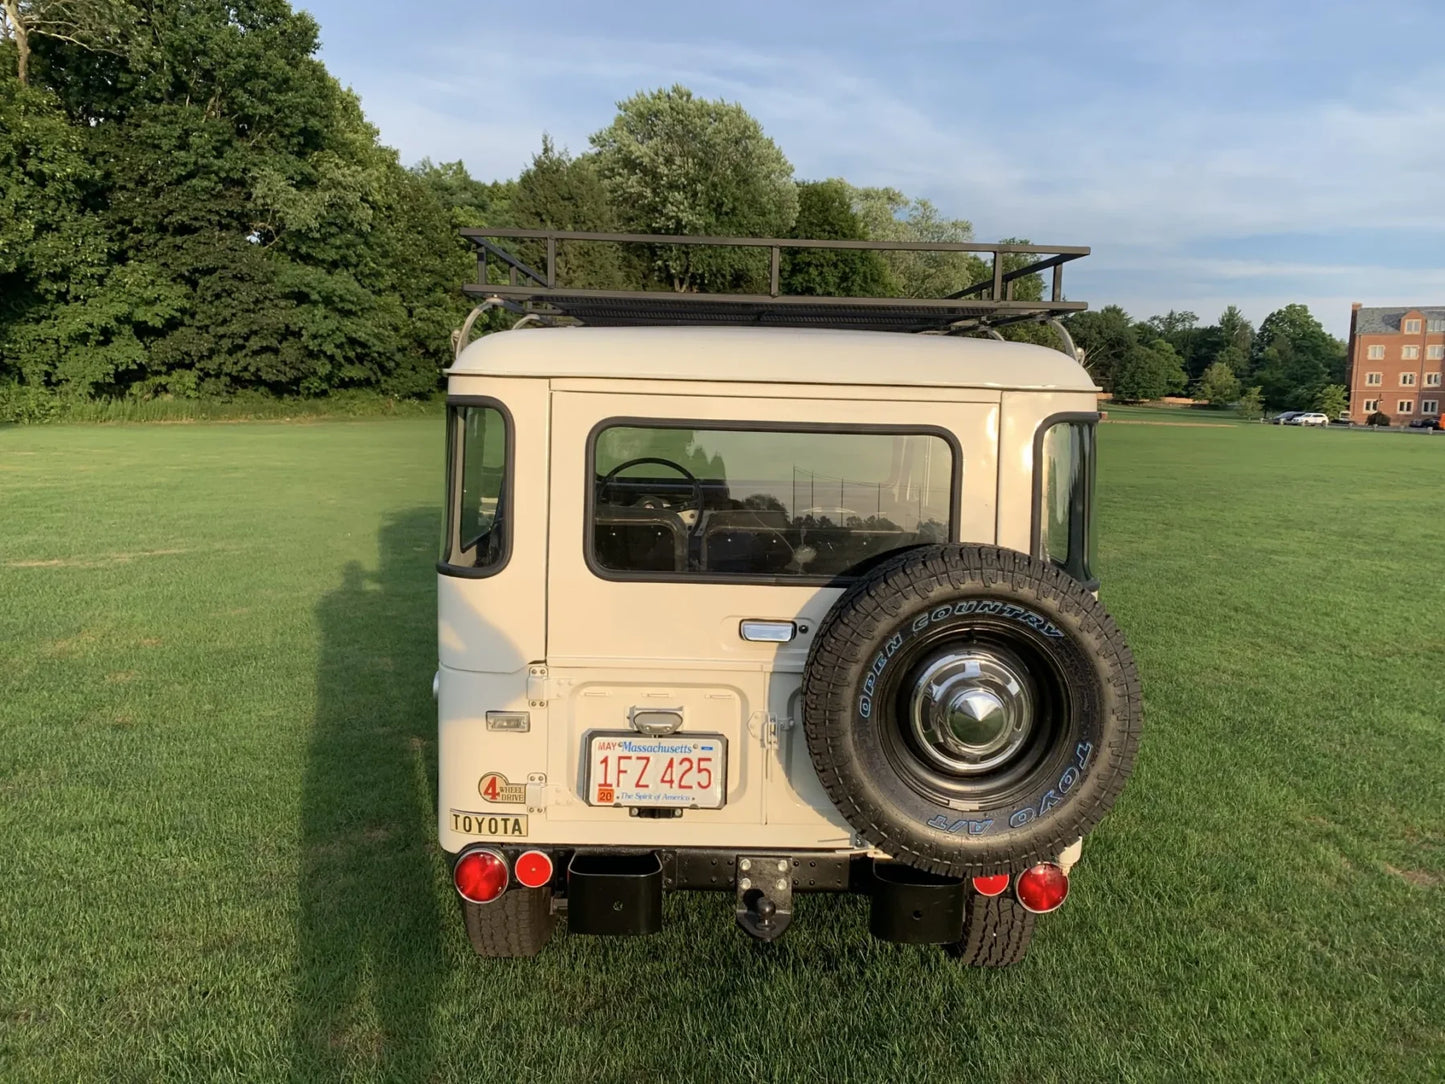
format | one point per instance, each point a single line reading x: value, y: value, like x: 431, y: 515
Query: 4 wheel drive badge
x: 494, y: 788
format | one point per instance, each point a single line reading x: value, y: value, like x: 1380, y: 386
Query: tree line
x: 1289, y: 363
x: 191, y: 206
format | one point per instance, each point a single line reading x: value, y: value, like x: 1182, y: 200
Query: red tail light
x: 533, y: 869
x: 1042, y: 888
x: 992, y: 885
x: 480, y: 876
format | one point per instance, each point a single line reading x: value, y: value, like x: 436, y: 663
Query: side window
x: 682, y: 500
x: 477, y: 539
x: 1064, y: 522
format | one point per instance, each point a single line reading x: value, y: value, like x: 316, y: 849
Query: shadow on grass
x: 369, y: 958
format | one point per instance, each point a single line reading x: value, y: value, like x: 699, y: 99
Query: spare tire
x: 970, y: 709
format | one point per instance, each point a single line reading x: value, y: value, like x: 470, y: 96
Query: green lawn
x: 216, y: 766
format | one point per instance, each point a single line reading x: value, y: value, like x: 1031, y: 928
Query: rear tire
x: 996, y: 932
x: 520, y: 923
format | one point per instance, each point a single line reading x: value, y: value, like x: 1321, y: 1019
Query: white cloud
x: 1147, y: 178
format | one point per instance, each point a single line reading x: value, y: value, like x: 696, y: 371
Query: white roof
x: 772, y: 355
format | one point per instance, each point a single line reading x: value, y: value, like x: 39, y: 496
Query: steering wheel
x: 696, y: 500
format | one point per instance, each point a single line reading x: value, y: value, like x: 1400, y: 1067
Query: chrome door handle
x: 768, y: 632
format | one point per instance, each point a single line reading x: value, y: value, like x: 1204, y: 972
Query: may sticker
x: 494, y: 788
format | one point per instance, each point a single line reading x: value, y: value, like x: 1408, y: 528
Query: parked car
x: 1312, y: 417
x: 652, y: 677
x: 1431, y: 422
x: 1285, y: 418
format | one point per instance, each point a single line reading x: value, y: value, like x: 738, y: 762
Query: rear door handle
x: 768, y: 632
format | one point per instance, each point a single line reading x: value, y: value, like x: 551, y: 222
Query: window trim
x: 1375, y: 352
x: 454, y: 491
x: 1432, y: 380
x: 1405, y: 406
x: 1434, y: 351
x: 1036, y: 531
x: 1410, y: 353
x: 1429, y: 406
x: 1370, y: 405
x: 1407, y: 380
x: 955, y: 492
x: 1407, y: 329
x: 1374, y: 379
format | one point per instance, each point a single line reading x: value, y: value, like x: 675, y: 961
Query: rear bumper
x: 618, y: 891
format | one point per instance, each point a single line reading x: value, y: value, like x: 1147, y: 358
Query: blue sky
x: 1212, y: 152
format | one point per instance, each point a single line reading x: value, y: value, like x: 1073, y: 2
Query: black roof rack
x: 986, y: 304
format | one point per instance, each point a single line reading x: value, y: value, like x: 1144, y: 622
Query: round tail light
x: 993, y: 885
x: 480, y: 876
x: 533, y: 869
x: 1042, y: 888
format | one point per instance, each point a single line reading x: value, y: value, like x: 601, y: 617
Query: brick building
x: 1396, y: 356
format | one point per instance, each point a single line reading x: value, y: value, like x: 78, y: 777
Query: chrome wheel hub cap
x: 971, y: 710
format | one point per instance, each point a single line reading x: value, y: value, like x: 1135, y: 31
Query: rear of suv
x: 769, y: 610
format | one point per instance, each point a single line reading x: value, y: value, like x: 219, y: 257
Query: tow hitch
x: 764, y: 895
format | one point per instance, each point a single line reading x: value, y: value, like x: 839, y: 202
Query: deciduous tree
x: 471, y: 202
x: 1148, y: 372
x: 888, y: 215
x: 95, y: 25
x: 825, y: 213
x: 1235, y: 358
x: 675, y: 163
x: 1106, y: 337
x: 215, y: 213
x: 1218, y: 386
x: 1332, y: 400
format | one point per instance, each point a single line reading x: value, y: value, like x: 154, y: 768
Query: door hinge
x: 776, y: 725
x: 542, y: 687
x: 538, y: 687
x: 536, y: 792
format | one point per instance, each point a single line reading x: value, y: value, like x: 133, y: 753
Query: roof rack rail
x: 981, y: 306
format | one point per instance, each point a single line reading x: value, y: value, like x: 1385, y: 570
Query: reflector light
x: 532, y: 869
x: 1042, y: 888
x: 480, y: 876
x: 992, y: 885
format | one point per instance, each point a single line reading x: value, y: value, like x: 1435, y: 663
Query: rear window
x: 693, y: 501
x: 476, y: 538
x: 1064, y: 495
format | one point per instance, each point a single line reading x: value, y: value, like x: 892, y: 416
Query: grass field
x: 216, y: 795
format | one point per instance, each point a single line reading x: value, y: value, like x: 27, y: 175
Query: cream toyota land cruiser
x: 787, y: 594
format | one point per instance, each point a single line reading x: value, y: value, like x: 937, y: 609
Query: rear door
x: 676, y: 520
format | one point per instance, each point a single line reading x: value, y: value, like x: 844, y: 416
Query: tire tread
x: 997, y: 932
x: 518, y: 924
x: 916, y: 575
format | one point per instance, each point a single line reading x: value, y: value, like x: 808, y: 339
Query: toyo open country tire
x: 970, y: 709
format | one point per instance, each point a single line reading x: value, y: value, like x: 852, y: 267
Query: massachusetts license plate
x: 635, y: 770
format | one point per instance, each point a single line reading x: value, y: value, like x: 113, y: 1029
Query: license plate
x: 635, y: 770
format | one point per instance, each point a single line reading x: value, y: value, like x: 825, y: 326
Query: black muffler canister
x: 616, y: 894
x: 915, y: 907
